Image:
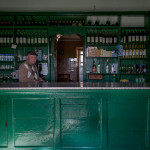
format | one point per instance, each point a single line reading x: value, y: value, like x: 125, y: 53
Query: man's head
x: 32, y: 57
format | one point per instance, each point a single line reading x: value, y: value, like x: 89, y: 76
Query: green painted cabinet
x: 3, y: 123
x: 75, y: 119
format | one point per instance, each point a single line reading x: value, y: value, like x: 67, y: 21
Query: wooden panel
x: 3, y: 123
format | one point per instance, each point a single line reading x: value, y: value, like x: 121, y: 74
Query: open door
x: 67, y: 58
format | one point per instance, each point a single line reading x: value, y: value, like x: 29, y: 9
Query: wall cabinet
x: 102, y: 32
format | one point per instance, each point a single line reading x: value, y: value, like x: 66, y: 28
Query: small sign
x: 13, y: 46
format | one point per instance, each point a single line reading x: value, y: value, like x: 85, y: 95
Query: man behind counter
x: 28, y: 71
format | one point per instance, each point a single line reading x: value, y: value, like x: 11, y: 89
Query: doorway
x: 67, y: 58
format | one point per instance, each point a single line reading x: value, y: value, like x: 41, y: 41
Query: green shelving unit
x: 41, y: 26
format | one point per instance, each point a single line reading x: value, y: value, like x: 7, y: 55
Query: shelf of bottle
x: 33, y: 45
x: 6, y: 27
x: 7, y: 69
x: 5, y: 45
x: 133, y: 58
x: 96, y: 73
x: 92, y: 57
x: 6, y: 61
x: 112, y: 27
x: 134, y: 43
x: 101, y: 44
x: 133, y: 73
x: 133, y: 28
x: 31, y: 27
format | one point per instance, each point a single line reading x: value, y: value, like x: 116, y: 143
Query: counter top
x: 73, y: 85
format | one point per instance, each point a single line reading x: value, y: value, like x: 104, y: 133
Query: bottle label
x: 94, y: 69
x: 133, y: 38
x: 46, y: 41
x: 101, y: 39
x: 141, y: 52
x: 107, y: 69
x: 20, y: 40
x: 137, y: 38
x: 130, y: 52
x: 98, y: 68
x: 127, y: 52
x: 39, y: 40
x: 11, y: 39
x: 133, y: 53
x: 137, y: 52
x: 8, y: 40
x: 42, y: 39
x: 110, y: 40
x: 28, y: 40
x: 144, y: 52
x: 88, y: 39
x: 144, y: 38
x: 124, y: 39
x: 4, y: 40
x: 141, y: 38
x: 107, y: 40
x: 1, y: 40
x: 31, y: 40
x: 92, y: 39
x: 24, y: 40
x: 17, y: 40
x: 129, y: 38
x: 96, y: 39
x: 124, y: 52
x: 115, y: 40
x: 35, y: 40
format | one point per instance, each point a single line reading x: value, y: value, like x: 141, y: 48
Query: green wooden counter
x: 75, y: 116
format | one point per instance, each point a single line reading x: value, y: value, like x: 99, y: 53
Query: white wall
x: 74, y: 5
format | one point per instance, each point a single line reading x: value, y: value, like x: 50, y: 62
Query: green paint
x: 74, y: 119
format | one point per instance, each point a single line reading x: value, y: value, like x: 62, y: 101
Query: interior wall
x: 69, y: 48
x: 74, y: 5
x: 67, y: 63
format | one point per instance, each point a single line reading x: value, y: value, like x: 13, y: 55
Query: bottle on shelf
x: 35, y: 39
x: 92, y: 38
x: 107, y: 23
x: 96, y: 38
x: 111, y: 38
x: 24, y: 39
x: 98, y: 68
x: 122, y: 37
x: 107, y: 38
x: 125, y: 37
x: 124, y: 51
x: 20, y: 38
x: 93, y: 67
x: 107, y: 67
x: 137, y: 36
x: 144, y: 36
x: 100, y: 38
x: 133, y: 36
x: 130, y: 51
x: 129, y: 37
x: 137, y: 51
x: 115, y: 38
x: 104, y: 38
x: 127, y: 52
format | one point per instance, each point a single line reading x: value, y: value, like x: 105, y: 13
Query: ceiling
x: 73, y: 5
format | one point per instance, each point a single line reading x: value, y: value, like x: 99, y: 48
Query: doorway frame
x: 53, y: 31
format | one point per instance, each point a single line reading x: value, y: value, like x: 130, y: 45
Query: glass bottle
x: 93, y: 67
x: 99, y: 68
x: 107, y: 66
